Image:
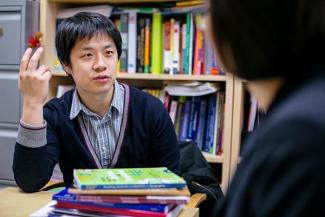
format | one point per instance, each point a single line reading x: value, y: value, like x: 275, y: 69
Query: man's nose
x: 100, y: 63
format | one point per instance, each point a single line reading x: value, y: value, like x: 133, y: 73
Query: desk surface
x: 15, y: 203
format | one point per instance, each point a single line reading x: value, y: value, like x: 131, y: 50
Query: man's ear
x: 67, y: 69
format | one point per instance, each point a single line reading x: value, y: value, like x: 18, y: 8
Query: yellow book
x: 156, y: 44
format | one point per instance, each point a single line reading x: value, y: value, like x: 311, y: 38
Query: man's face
x: 93, y: 64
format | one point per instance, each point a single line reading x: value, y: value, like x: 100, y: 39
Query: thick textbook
x: 127, y: 178
x: 116, y: 211
x: 117, y: 199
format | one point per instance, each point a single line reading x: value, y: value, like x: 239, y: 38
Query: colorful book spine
x: 173, y: 109
x: 183, y: 50
x: 190, y: 42
x: 172, y: 45
x: 201, y: 122
x: 185, y: 119
x: 198, y: 52
x: 180, y: 104
x: 167, y: 53
x: 176, y: 47
x: 132, y: 47
x: 194, y: 116
x: 210, y: 124
x: 147, y: 45
x: 140, y: 45
x: 156, y: 43
x: 124, y: 35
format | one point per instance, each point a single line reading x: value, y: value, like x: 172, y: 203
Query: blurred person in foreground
x: 278, y: 47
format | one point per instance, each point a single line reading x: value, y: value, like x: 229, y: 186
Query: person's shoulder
x: 62, y: 103
x: 306, y: 104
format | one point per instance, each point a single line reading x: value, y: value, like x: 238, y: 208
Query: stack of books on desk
x: 150, y: 192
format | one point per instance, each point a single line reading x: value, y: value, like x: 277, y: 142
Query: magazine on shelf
x: 191, y: 89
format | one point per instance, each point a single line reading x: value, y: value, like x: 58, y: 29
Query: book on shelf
x: 156, y: 44
x: 165, y: 40
x: 197, y: 111
x: 127, y: 178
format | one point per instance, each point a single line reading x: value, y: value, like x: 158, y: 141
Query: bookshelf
x: 237, y: 123
x: 48, y: 13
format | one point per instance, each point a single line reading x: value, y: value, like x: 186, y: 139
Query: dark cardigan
x: 147, y: 139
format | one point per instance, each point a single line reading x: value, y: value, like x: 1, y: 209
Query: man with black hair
x: 100, y: 124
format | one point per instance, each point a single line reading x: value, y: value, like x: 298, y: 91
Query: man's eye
x: 109, y: 52
x: 86, y: 55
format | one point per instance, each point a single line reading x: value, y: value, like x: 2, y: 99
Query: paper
x: 191, y: 89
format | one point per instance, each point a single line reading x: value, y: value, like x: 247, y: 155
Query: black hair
x: 269, y: 38
x: 83, y: 25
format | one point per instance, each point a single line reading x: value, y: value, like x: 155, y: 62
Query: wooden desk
x: 14, y: 203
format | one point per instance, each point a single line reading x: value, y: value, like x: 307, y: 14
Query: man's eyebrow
x: 91, y: 48
x: 109, y: 46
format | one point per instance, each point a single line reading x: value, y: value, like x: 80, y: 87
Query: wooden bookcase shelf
x: 142, y: 76
x: 48, y: 13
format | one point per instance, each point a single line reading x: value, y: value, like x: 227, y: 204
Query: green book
x: 127, y: 178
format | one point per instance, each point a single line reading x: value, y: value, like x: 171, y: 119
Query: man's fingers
x: 42, y: 69
x: 33, y: 62
x: 47, y: 75
x: 25, y: 60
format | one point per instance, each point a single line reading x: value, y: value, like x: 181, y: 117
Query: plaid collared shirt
x: 102, y: 131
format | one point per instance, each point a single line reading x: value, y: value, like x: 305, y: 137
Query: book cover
x: 128, y: 178
x: 134, y: 192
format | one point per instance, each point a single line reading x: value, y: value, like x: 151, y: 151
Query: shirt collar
x: 117, y: 102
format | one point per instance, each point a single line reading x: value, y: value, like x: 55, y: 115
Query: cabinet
x: 48, y: 13
x: 18, y: 20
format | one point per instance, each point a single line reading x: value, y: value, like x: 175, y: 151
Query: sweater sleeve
x: 164, y: 149
x: 33, y: 165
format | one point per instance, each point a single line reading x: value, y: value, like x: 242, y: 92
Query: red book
x: 109, y: 210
